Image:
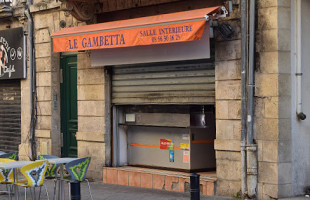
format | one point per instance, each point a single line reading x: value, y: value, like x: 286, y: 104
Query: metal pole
x: 244, y: 59
x: 195, y: 186
x: 251, y: 147
x: 75, y: 191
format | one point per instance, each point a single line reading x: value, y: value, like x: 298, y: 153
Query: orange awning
x: 159, y: 29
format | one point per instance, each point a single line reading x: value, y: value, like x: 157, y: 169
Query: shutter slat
x: 164, y: 84
x: 10, y: 115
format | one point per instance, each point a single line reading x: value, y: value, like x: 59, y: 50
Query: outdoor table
x: 61, y: 161
x: 14, y: 166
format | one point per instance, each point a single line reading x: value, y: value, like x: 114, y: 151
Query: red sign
x: 165, y: 143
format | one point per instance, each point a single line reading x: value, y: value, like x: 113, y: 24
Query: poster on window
x: 12, y: 54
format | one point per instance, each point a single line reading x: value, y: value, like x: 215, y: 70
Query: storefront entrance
x: 68, y: 89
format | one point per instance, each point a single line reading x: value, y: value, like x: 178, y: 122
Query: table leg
x: 61, y: 181
x: 15, y: 186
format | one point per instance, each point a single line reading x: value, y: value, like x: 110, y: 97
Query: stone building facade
x: 275, y: 123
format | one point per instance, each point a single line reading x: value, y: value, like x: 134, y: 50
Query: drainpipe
x: 32, y: 82
x: 300, y: 114
x: 251, y: 147
x: 244, y: 45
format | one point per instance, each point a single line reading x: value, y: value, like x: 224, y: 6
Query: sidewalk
x: 102, y: 191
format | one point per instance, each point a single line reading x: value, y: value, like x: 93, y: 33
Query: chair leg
x: 91, y: 196
x: 26, y: 193
x: 69, y: 189
x: 46, y: 192
x: 55, y: 184
x: 9, y: 191
x: 40, y: 192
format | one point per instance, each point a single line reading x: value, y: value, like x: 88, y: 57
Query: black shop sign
x: 12, y: 54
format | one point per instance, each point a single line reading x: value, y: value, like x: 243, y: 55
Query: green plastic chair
x: 78, y: 170
x: 51, y: 172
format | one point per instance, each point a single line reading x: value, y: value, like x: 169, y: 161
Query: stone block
x: 42, y: 36
x: 228, y: 129
x: 43, y: 64
x: 44, y: 94
x: 228, y: 170
x: 91, y: 108
x: 44, y: 122
x: 91, y: 124
x: 91, y: 137
x: 228, y: 109
x: 43, y: 21
x: 269, y: 62
x: 259, y: 150
x: 228, y: 50
x: 285, y: 173
x: 267, y: 40
x: 266, y: 129
x: 270, y: 151
x: 44, y: 108
x: 96, y: 150
x: 44, y: 79
x: 91, y: 76
x: 228, y: 89
x: 83, y: 60
x: 267, y: 18
x: 271, y: 190
x: 266, y: 85
x: 43, y: 50
x: 44, y: 146
x: 228, y: 155
x: 259, y: 111
x: 91, y: 92
x: 227, y: 188
x: 43, y: 134
x: 228, y: 70
x: 268, y: 172
x: 227, y: 145
x: 271, y: 109
x: 273, y: 3
x: 24, y: 151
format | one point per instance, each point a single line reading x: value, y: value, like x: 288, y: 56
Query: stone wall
x: 228, y: 108
x: 92, y: 115
x: 273, y: 100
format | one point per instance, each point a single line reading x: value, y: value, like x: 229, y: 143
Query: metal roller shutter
x: 191, y: 83
x: 10, y: 115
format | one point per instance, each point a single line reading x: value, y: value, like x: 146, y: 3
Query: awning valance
x: 159, y: 29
